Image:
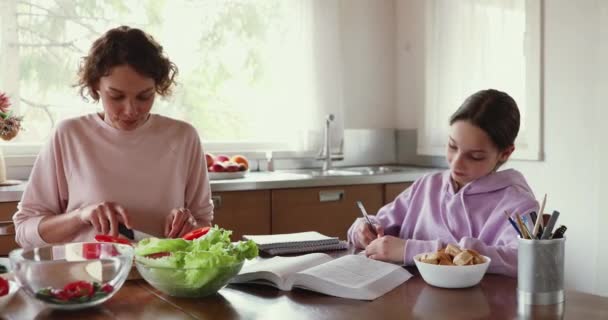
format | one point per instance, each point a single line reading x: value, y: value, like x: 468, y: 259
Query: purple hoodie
x: 429, y: 215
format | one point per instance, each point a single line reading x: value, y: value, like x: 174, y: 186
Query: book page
x: 352, y: 276
x: 278, y: 269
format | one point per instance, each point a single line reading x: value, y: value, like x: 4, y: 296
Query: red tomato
x: 158, y: 255
x: 94, y: 250
x: 91, y: 250
x: 106, y: 288
x: 110, y: 239
x: 78, y: 289
x: 4, y: 287
x: 196, y: 233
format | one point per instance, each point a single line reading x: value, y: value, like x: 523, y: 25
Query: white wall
x: 575, y: 117
x: 368, y: 47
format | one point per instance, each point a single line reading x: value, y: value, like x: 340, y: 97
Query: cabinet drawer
x: 7, y: 210
x: 329, y: 210
x: 392, y: 190
x: 243, y: 212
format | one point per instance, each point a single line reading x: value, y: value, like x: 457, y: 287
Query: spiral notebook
x: 300, y: 242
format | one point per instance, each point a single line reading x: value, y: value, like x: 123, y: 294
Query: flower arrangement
x: 9, y: 123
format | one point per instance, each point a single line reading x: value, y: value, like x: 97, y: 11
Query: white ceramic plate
x: 226, y: 175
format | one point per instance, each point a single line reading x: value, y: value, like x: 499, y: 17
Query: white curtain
x: 293, y: 48
x: 316, y: 86
x: 479, y: 44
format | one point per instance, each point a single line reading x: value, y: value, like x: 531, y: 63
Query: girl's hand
x: 387, y: 248
x: 364, y: 234
x: 105, y: 217
x: 179, y: 222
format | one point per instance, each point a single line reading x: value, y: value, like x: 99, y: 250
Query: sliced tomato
x: 196, y: 233
x: 4, y: 287
x: 91, y: 250
x: 78, y: 289
x: 158, y: 255
x: 110, y: 239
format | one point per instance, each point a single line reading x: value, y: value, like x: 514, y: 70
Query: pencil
x: 523, y: 228
x: 513, y: 224
x: 539, y: 219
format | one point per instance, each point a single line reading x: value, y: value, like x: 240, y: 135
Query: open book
x: 350, y: 276
x: 300, y: 242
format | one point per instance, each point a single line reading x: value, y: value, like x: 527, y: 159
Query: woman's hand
x: 179, y: 222
x: 386, y: 248
x: 105, y: 217
x: 364, y: 234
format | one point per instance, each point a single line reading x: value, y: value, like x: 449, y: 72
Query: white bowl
x: 227, y: 175
x: 13, y: 288
x: 452, y: 276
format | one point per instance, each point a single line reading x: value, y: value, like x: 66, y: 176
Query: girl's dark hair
x: 130, y: 46
x: 495, y: 112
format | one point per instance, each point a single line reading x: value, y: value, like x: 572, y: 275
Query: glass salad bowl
x: 73, y: 275
x: 192, y: 268
x: 188, y: 282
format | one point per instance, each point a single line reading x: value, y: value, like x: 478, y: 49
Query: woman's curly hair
x: 130, y: 46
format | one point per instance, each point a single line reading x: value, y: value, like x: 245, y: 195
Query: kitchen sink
x: 369, y: 170
x: 325, y: 173
x: 351, y: 171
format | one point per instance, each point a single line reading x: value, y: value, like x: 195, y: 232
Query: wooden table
x: 494, y: 298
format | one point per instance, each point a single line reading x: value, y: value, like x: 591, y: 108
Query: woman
x: 123, y: 165
x: 465, y: 204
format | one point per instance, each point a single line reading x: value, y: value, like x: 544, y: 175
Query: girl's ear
x: 504, y: 155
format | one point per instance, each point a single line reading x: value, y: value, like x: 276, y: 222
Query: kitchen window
x: 479, y: 44
x: 253, y: 75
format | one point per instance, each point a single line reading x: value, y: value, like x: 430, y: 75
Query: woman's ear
x: 504, y: 155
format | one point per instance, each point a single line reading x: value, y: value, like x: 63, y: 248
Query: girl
x: 465, y: 204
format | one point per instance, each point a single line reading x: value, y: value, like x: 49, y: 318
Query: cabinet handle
x: 331, y: 195
x: 217, y: 201
x: 7, y: 229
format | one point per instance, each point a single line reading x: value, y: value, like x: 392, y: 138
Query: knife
x: 131, y: 234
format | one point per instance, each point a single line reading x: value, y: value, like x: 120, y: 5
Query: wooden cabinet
x: 392, y: 190
x: 328, y: 210
x: 7, y: 228
x: 243, y: 212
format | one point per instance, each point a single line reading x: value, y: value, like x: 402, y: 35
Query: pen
x: 533, y: 216
x: 370, y: 225
x: 550, y: 225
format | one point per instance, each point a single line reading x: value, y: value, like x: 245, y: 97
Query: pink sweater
x: 149, y: 171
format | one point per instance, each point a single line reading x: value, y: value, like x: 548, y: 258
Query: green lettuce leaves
x: 194, y: 264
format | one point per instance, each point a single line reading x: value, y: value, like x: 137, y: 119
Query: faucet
x: 325, y: 154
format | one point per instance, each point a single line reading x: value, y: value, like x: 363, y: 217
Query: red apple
x: 222, y: 158
x: 218, y: 167
x: 232, y: 167
x: 210, y: 159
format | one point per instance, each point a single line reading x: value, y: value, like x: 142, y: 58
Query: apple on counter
x: 224, y: 163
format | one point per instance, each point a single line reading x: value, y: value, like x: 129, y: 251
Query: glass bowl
x: 188, y: 282
x: 73, y: 275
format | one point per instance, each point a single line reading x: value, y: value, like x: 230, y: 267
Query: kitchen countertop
x: 302, y: 179
x: 281, y: 179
